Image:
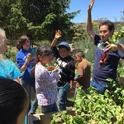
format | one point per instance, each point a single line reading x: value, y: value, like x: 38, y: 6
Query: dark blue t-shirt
x: 108, y: 69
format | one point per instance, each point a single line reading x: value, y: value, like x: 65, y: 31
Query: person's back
x: 13, y: 102
x: 46, y: 86
x: 83, y: 71
x: 46, y: 82
x: 86, y: 75
x: 7, y: 67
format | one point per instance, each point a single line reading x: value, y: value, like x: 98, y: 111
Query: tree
x: 37, y: 18
x: 82, y: 41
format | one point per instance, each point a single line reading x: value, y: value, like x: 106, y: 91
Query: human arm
x: 72, y: 73
x: 58, y: 35
x: 84, y: 74
x: 115, y: 47
x: 71, y: 69
x: 54, y: 43
x: 112, y: 47
x: 89, y: 21
x: 27, y: 60
x: 23, y: 61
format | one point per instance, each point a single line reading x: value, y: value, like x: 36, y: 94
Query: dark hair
x: 44, y: 51
x: 110, y: 25
x: 21, y: 41
x: 79, y: 52
x: 12, y: 101
x: 64, y: 44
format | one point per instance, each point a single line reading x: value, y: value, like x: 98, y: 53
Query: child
x: 83, y: 70
x: 67, y: 69
x: 45, y: 82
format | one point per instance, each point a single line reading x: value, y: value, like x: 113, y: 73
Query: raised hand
x: 91, y: 5
x: 58, y: 34
x: 112, y: 47
x: 28, y: 58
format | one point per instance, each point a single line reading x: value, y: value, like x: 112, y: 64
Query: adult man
x: 108, y: 67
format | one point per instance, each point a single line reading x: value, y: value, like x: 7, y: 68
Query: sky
x: 110, y: 9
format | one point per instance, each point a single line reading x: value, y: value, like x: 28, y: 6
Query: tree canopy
x: 37, y: 18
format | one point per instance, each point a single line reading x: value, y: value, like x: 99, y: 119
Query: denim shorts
x: 99, y: 86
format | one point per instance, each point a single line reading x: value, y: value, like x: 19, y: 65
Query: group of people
x: 14, y: 100
x: 52, y: 87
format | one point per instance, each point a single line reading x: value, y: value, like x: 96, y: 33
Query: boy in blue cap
x: 67, y: 69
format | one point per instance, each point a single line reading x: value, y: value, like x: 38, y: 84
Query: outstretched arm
x: 89, y: 20
x: 115, y: 47
x: 58, y: 35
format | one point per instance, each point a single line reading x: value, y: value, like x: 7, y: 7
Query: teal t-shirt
x: 8, y: 69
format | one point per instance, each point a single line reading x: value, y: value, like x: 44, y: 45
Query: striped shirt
x: 46, y: 85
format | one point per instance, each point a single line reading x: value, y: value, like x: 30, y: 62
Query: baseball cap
x: 64, y: 44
